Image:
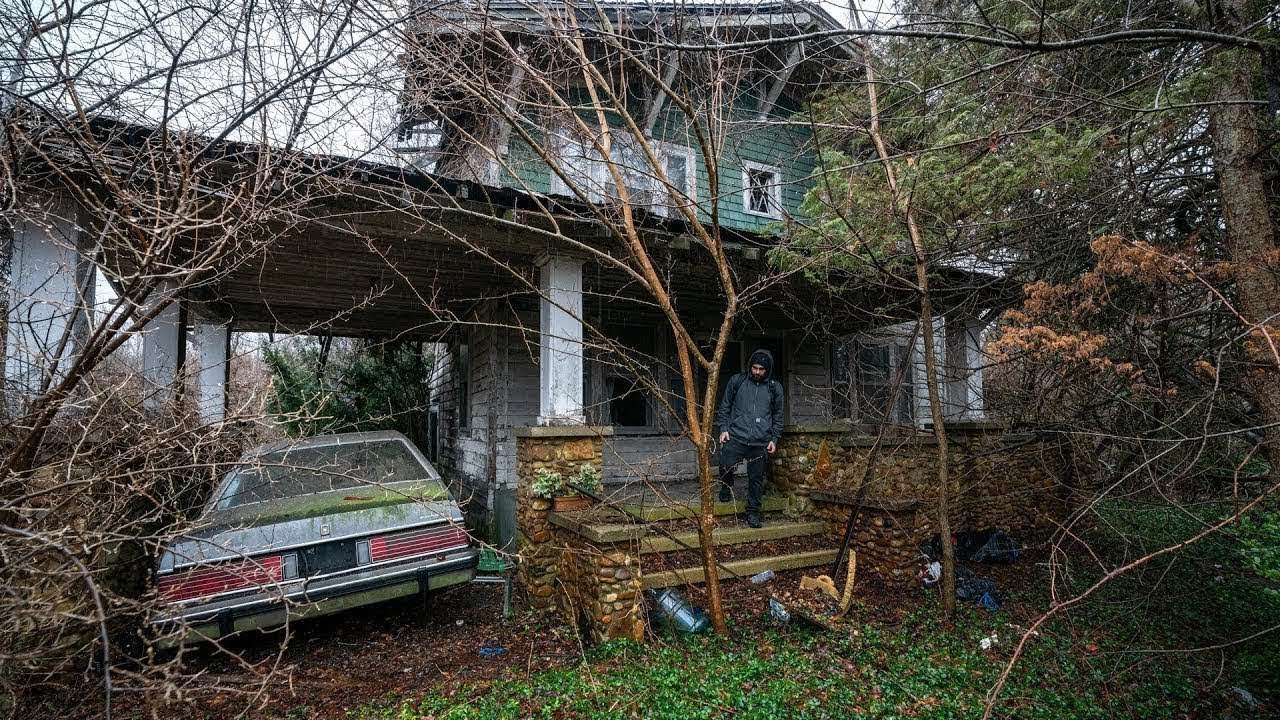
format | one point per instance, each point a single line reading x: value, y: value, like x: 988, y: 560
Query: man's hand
x: 724, y: 438
x: 771, y: 448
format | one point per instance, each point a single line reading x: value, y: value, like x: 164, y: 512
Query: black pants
x: 734, y: 452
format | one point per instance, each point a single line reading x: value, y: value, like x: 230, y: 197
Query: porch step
x: 679, y: 509
x: 653, y: 542
x: 742, y: 568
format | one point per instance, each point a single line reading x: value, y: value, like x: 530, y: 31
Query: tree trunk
x: 943, y: 506
x: 1250, y: 234
x: 918, y: 252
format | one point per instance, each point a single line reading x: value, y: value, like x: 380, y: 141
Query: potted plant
x: 587, y: 478
x: 547, y: 483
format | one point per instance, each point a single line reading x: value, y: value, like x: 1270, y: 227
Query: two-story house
x: 690, y: 117
x: 574, y: 177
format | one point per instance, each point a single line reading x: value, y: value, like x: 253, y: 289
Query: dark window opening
x: 464, y: 387
x: 627, y: 404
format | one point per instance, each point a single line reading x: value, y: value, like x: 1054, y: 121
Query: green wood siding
x: 774, y: 141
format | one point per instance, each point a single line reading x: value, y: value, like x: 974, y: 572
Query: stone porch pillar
x: 213, y: 344
x: 594, y: 588
x: 560, y: 355
x: 163, y: 348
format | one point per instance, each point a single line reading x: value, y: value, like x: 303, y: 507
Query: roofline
x: 499, y: 199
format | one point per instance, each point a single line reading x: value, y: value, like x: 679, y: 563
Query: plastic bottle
x: 762, y: 577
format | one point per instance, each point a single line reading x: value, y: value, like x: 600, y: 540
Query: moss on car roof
x: 394, y: 497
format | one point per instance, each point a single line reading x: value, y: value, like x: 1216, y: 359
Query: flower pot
x: 567, y: 503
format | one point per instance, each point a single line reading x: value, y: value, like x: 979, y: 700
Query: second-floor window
x: 681, y: 187
x: 585, y: 171
x: 761, y: 189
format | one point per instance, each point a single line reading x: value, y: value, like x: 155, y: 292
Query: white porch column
x: 48, y: 296
x: 560, y: 356
x: 162, y: 348
x: 212, y: 342
x: 964, y: 368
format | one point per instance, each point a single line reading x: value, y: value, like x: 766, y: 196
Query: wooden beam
x: 780, y: 79
x: 670, y: 66
x: 740, y: 568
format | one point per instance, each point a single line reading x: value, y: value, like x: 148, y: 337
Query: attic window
x: 761, y: 190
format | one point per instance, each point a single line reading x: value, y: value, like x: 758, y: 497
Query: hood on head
x: 762, y: 357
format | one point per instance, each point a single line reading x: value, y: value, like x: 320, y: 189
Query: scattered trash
x: 1245, y: 698
x: 489, y: 651
x: 987, y: 546
x: 779, y: 612
x: 931, y: 573
x: 988, y: 641
x: 762, y: 577
x: 673, y: 610
x: 998, y: 548
x: 974, y: 588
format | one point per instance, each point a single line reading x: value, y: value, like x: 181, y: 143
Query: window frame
x: 579, y: 159
x: 670, y: 204
x: 773, y: 191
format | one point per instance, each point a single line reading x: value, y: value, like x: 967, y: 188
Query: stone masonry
x: 596, y: 589
x: 1018, y: 484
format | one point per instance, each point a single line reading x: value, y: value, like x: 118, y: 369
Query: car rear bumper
x: 287, y: 602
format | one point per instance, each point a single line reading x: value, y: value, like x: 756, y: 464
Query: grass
x: 1135, y: 651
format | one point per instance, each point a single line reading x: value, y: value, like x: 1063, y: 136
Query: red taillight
x: 416, y: 542
x: 220, y: 578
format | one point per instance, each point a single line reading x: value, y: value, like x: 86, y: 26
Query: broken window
x: 761, y: 189
x: 628, y: 406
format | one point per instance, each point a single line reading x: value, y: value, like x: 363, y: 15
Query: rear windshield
x: 309, y: 470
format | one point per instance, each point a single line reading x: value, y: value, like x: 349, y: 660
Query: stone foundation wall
x: 1014, y: 483
x: 596, y: 589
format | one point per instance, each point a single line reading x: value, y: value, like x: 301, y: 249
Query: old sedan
x: 310, y: 527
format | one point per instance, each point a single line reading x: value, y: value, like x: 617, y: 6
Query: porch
x: 593, y: 566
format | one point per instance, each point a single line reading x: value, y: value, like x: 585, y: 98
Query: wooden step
x: 677, y: 509
x: 652, y: 541
x: 732, y: 535
x: 741, y: 568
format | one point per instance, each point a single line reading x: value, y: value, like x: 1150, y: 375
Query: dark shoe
x: 753, y: 519
x: 725, y: 494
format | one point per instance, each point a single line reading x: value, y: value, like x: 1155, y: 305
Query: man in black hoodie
x: 750, y: 423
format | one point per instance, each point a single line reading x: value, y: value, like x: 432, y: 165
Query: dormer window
x: 761, y: 190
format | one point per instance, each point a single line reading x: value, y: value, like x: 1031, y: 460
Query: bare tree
x: 149, y: 149
x: 639, y: 117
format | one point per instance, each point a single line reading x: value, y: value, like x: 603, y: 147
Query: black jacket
x: 751, y: 410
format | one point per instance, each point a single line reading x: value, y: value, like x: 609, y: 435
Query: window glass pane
x: 464, y: 386
x: 678, y: 173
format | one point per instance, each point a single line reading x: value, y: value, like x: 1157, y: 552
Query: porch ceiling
x: 373, y: 277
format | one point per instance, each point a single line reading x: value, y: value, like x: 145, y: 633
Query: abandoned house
x: 543, y: 146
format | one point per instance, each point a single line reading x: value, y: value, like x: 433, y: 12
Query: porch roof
x: 371, y: 249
